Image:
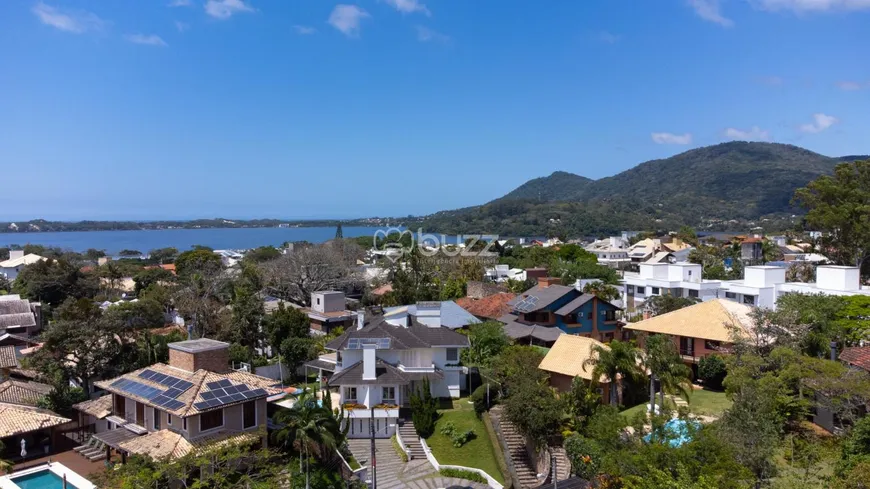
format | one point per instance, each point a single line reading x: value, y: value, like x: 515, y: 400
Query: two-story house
x: 549, y: 309
x: 328, y: 311
x: 382, y: 361
x: 167, y: 411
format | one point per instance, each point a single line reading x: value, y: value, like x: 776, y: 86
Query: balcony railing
x: 405, y: 368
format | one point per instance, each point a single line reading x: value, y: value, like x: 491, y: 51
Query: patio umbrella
x: 23, y: 448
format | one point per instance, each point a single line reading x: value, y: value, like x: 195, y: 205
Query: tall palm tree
x: 308, y: 428
x: 664, y: 363
x: 616, y: 362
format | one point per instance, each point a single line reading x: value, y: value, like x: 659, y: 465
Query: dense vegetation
x: 707, y: 186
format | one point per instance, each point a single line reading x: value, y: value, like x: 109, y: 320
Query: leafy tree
x: 535, y: 411
x: 663, y: 304
x: 308, y: 429
x: 601, y: 290
x: 665, y: 364
x: 520, y: 286
x: 570, y: 272
x: 201, y: 297
x: 248, y: 313
x: 517, y: 364
x: 800, y: 272
x: 487, y: 340
x: 688, y: 235
x: 262, y: 254
x: 424, y: 410
x: 818, y: 314
x: 94, y: 254
x: 453, y: 288
x: 851, y: 319
x: 711, y: 370
x: 413, y: 281
x: 617, y: 362
x: 53, y: 281
x: 286, y: 322
x: 585, y: 456
x: 129, y: 253
x: 839, y: 205
x: 295, y: 276
x: 142, y: 314
x: 150, y: 276
x: 296, y: 351
x: 163, y: 255
x: 197, y: 261
x: 582, y: 401
x: 575, y: 253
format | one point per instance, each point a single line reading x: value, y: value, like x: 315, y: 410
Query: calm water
x: 183, y: 239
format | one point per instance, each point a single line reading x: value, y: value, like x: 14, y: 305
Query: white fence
x: 429, y: 455
x: 402, y: 443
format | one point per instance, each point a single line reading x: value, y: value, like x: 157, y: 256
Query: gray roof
x: 321, y: 364
x: 546, y: 295
x: 416, y: 335
x: 16, y: 313
x: 573, y: 305
x: 385, y: 374
x: 452, y: 315
x: 516, y: 331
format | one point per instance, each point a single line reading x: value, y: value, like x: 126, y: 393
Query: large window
x: 211, y: 420
x: 610, y: 315
x: 120, y: 406
x: 749, y: 299
x: 730, y: 295
x: 156, y: 416
x: 641, y: 290
x: 537, y: 317
x: 350, y: 394
x: 693, y: 293
x: 389, y: 395
x: 655, y: 291
x: 250, y: 414
x: 453, y: 354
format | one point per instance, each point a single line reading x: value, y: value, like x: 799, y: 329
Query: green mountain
x: 707, y: 187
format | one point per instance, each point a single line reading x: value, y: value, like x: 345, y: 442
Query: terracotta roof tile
x: 16, y: 419
x: 711, y: 320
x: 169, y: 444
x: 491, y: 307
x: 858, y: 356
x: 19, y: 392
x: 8, y: 358
x: 98, y: 408
x: 568, y: 355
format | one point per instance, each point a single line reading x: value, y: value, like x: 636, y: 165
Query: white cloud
x: 347, y: 19
x: 224, y: 9
x: 181, y: 26
x: 425, y: 34
x: 304, y: 30
x: 69, y: 21
x: 408, y: 6
x: 820, y: 123
x: 180, y: 3
x: 754, y: 134
x: 709, y: 10
x: 669, y: 138
x: 609, y: 37
x: 146, y: 39
x: 851, y: 85
x: 811, y: 5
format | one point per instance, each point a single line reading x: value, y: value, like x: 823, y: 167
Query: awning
x: 114, y: 438
x: 321, y: 364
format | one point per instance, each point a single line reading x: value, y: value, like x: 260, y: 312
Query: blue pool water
x: 41, y: 480
x: 675, y: 433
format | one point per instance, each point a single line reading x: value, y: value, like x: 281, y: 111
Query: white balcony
x: 359, y: 413
x: 425, y: 369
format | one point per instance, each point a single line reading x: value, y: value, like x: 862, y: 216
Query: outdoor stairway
x: 516, y: 445
x: 563, y: 465
x: 411, y: 440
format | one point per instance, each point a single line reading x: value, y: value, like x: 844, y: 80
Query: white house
x: 380, y: 364
x: 612, y: 251
x: 17, y: 260
x: 761, y: 285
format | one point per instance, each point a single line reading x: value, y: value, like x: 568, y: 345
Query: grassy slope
x: 703, y: 402
x: 478, y: 453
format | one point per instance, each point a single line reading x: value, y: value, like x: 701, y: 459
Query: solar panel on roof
x: 200, y: 406
x: 237, y: 397
x: 207, y: 395
x: 147, y: 374
x: 173, y: 393
x: 232, y: 389
x: 173, y: 404
x: 159, y: 377
x: 258, y: 393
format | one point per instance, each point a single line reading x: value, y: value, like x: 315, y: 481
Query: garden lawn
x: 478, y: 453
x: 701, y: 402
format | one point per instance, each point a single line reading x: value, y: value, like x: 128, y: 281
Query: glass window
x: 389, y: 395
x: 249, y: 414
x: 211, y: 420
x: 184, y: 424
x: 452, y: 354
x: 749, y: 299
x: 655, y: 291
x: 350, y: 394
x: 730, y: 295
x: 156, y: 416
x: 610, y: 315
x: 641, y: 290
x: 168, y: 419
x: 711, y: 345
x: 630, y: 289
x: 693, y: 293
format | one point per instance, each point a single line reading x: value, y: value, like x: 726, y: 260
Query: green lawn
x: 478, y: 453
x: 701, y: 402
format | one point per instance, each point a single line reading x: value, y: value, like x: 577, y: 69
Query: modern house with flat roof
x: 380, y: 363
x: 328, y: 311
x: 168, y: 411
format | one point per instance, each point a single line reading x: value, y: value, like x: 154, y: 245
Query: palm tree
x: 665, y: 365
x: 307, y: 428
x: 616, y: 362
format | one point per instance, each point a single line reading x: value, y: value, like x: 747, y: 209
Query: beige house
x: 566, y: 360
x: 170, y: 410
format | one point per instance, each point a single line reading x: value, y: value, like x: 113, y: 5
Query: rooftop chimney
x: 360, y: 320
x: 429, y: 313
x: 369, y: 360
x: 839, y: 278
x: 205, y: 354
x: 13, y: 254
x: 548, y: 281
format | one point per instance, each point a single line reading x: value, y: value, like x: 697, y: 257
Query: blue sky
x: 312, y: 108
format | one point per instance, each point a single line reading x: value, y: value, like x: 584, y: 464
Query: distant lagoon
x: 183, y: 239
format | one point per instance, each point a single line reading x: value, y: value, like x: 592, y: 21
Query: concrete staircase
x: 411, y: 440
x: 526, y: 474
x: 563, y: 464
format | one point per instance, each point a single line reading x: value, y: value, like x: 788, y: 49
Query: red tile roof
x: 857, y: 356
x: 491, y: 307
x: 383, y: 289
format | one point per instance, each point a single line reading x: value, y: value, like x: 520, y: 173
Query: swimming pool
x: 675, y: 432
x: 44, y: 479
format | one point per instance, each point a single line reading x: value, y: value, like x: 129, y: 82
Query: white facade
x: 17, y: 260
x: 761, y: 285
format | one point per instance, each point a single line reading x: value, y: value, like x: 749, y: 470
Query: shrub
x: 585, y: 456
x: 398, y: 448
x: 478, y: 397
x: 447, y: 429
x: 711, y: 370
x: 424, y: 411
x: 463, y: 474
x: 462, y: 438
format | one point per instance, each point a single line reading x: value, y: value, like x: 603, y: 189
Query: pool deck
x: 70, y: 459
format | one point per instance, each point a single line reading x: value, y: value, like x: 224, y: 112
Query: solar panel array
x: 224, y: 392
x: 361, y: 343
x: 165, y: 399
x: 167, y: 380
x: 527, y: 304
